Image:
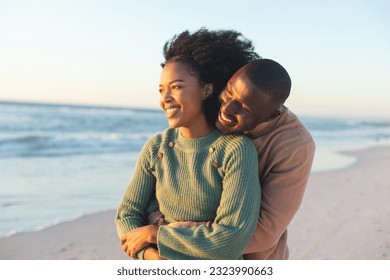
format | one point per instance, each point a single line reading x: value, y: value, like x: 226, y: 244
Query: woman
x: 195, y: 172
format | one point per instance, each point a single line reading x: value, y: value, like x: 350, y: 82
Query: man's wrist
x: 150, y: 253
x: 141, y: 253
x: 153, y: 234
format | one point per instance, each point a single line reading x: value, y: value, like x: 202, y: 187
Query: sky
x: 108, y: 52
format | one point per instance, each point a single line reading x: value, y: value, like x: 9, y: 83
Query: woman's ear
x: 208, y: 90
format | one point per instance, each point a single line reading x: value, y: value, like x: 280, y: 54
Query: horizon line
x: 121, y: 107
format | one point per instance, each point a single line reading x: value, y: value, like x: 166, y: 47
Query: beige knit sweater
x: 286, y: 151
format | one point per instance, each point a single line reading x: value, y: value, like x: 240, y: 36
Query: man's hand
x: 138, y: 238
x: 156, y: 218
x: 189, y: 224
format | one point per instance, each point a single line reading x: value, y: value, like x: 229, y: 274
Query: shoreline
x: 343, y: 216
x: 325, y: 160
x: 331, y: 159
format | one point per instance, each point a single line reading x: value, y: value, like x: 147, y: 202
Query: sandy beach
x: 344, y: 215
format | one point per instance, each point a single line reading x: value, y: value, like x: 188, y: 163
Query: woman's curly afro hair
x: 214, y: 56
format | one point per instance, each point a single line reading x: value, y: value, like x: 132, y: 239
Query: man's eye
x: 161, y: 91
x: 243, y: 108
x: 176, y: 87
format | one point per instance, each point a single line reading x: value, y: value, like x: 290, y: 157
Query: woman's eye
x: 176, y: 87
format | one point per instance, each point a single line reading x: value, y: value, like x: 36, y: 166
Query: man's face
x: 243, y: 105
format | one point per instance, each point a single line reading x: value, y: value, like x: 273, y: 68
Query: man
x: 252, y: 103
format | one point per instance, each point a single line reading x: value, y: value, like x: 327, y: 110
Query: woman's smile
x: 171, y: 112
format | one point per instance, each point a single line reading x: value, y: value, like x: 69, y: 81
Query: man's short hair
x: 270, y: 77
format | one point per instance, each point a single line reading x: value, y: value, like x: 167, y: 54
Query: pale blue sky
x: 109, y: 52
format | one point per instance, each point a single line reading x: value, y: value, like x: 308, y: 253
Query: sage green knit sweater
x: 213, y: 178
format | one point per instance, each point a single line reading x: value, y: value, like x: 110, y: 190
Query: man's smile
x: 226, y: 119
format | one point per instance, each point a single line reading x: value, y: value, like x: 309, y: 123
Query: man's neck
x: 265, y: 127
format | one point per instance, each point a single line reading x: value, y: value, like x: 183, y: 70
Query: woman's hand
x: 138, y: 238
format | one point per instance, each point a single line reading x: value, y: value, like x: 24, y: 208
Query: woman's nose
x: 166, y: 96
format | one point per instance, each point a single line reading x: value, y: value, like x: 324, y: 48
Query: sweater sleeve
x: 133, y: 207
x: 236, y: 215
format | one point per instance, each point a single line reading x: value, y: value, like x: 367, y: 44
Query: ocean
x: 59, y: 162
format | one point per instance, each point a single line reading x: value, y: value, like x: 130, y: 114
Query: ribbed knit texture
x: 286, y: 152
x: 213, y: 178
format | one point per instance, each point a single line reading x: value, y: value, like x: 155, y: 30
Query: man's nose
x: 228, y: 107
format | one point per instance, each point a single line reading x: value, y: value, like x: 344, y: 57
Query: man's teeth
x: 225, y: 119
x: 170, y: 111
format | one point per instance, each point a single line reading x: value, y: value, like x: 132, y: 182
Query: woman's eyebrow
x: 174, y: 81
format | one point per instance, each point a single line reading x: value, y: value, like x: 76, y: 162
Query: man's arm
x: 283, y: 188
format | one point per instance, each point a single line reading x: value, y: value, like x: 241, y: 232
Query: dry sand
x: 345, y: 215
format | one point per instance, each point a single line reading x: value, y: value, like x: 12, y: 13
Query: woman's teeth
x: 171, y: 111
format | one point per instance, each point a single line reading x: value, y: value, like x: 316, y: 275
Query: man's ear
x: 208, y: 90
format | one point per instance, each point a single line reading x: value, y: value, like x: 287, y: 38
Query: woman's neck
x: 196, y: 132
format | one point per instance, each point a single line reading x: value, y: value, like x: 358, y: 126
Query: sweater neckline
x: 265, y: 127
x: 197, y: 143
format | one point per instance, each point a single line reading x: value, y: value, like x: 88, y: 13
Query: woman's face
x: 181, y: 96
